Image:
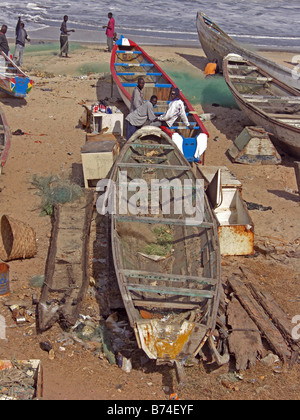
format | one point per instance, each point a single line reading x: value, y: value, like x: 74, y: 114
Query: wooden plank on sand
x: 244, y: 340
x: 279, y: 318
x: 261, y: 319
x: 297, y: 172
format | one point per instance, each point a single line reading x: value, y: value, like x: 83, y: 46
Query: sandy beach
x: 49, y: 117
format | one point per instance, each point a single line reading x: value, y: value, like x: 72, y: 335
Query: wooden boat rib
x: 171, y: 300
x: 12, y: 79
x: 217, y: 44
x: 128, y: 62
x: 5, y: 139
x: 268, y: 102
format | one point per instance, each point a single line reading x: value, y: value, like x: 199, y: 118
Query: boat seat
x: 251, y: 78
x: 134, y: 64
x: 138, y: 74
x: 128, y: 52
x: 208, y: 294
x: 159, y: 85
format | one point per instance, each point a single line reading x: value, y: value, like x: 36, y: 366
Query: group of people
x: 141, y: 110
x: 22, y: 37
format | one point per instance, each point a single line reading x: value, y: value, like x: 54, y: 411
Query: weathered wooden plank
x: 244, y: 340
x: 156, y: 220
x: 278, y: 316
x: 261, y: 319
x: 297, y: 173
x: 169, y: 277
x: 165, y: 304
x: 153, y: 166
x: 171, y: 290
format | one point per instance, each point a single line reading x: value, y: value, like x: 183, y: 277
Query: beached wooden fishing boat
x: 167, y: 264
x: 267, y: 102
x: 13, y: 80
x: 217, y: 44
x: 128, y: 62
x: 5, y: 139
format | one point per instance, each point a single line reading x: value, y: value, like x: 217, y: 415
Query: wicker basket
x: 17, y: 240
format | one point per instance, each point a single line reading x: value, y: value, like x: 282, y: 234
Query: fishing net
x: 206, y: 91
x: 55, y: 190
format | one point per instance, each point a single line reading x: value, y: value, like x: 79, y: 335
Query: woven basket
x: 17, y: 240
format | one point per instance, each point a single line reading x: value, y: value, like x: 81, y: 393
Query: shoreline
x: 87, y: 36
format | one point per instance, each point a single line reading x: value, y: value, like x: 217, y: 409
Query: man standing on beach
x: 21, y: 36
x: 110, y: 29
x: 64, y: 37
x: 137, y: 98
x: 3, y: 40
x: 137, y: 118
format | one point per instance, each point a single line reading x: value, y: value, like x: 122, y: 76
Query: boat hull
x: 13, y: 81
x: 129, y: 62
x: 217, y: 44
x: 171, y: 318
x: 5, y: 140
x: 272, y: 104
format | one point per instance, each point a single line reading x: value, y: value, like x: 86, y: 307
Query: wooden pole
x: 297, y: 172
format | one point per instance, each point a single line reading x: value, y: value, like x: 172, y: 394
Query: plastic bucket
x: 4, y: 279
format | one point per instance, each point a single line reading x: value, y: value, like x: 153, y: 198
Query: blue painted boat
x: 13, y: 80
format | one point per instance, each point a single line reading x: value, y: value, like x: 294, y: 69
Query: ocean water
x: 272, y: 24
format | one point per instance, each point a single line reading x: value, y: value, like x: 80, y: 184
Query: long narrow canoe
x: 128, y: 62
x: 217, y: 44
x: 13, y: 80
x: 5, y: 139
x: 267, y: 102
x: 167, y: 261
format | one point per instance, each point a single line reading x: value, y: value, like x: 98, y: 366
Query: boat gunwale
x: 7, y: 140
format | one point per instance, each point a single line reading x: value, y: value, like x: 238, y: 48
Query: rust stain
x: 169, y: 346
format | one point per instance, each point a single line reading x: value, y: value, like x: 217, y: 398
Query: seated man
x: 137, y: 118
x: 211, y: 68
x: 137, y: 97
x: 176, y: 109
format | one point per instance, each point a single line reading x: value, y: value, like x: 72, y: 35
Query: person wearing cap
x: 137, y: 98
x: 21, y: 37
x: 140, y: 116
x: 175, y: 110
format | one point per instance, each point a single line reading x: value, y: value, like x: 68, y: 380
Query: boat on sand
x: 129, y: 62
x: 13, y: 80
x: 217, y: 44
x: 167, y: 264
x: 268, y: 102
x: 5, y: 139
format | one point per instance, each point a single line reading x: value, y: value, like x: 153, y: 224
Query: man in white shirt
x: 175, y: 110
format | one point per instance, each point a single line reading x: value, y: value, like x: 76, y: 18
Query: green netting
x: 48, y: 47
x: 54, y: 190
x: 204, y: 91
